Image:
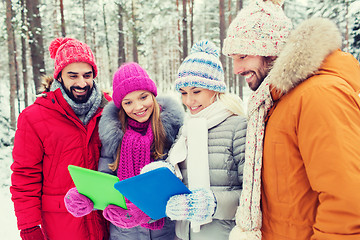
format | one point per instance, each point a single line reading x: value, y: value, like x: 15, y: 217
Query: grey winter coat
x: 226, y: 146
x: 111, y: 135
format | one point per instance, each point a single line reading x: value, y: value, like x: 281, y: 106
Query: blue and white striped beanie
x: 202, y: 68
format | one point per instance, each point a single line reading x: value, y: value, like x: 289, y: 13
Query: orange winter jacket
x: 311, y: 158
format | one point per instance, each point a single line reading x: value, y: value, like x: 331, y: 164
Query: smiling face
x: 253, y: 68
x: 196, y: 98
x: 77, y: 80
x: 138, y: 105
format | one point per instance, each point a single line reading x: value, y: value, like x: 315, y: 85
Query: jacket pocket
x: 53, y: 203
x: 282, y: 171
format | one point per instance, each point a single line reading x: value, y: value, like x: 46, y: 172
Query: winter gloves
x: 33, y: 233
x: 197, y: 206
x: 77, y: 204
x: 132, y: 217
x: 157, y: 164
x: 123, y: 218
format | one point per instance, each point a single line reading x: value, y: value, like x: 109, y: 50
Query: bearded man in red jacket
x: 58, y: 129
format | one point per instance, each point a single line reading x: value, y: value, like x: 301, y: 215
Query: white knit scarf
x: 248, y: 215
x: 213, y: 114
x: 196, y: 154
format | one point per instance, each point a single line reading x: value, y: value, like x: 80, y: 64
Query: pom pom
x: 206, y: 47
x: 55, y: 44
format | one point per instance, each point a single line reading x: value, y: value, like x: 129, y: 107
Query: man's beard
x: 78, y: 99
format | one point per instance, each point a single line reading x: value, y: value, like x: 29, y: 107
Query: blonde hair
x: 158, y: 144
x: 232, y: 102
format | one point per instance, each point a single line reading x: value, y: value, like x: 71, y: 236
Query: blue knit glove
x: 198, y: 206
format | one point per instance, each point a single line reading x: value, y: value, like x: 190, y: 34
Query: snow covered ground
x: 8, y: 228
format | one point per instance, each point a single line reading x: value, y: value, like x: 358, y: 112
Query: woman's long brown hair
x: 158, y: 130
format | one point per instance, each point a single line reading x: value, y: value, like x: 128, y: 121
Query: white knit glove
x: 198, y: 206
x: 157, y: 164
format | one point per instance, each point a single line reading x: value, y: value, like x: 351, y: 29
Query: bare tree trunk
x: 191, y: 11
x: 161, y: 61
x: 239, y: 78
x: 128, y: 46
x: 11, y: 53
x: 222, y: 36
x: 134, y: 35
x: 107, y: 42
x: 155, y: 61
x: 93, y: 41
x: 121, y: 41
x: 178, y: 26
x: 35, y: 42
x: 63, y: 32
x: 184, y: 30
x: 239, y: 5
x: 84, y: 20
x: 229, y: 72
x: 55, y: 22
x: 17, y: 80
x: 23, y: 53
x: 169, y: 61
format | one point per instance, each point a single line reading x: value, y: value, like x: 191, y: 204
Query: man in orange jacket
x: 302, y: 162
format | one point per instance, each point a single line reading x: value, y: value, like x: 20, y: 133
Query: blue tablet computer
x: 150, y: 191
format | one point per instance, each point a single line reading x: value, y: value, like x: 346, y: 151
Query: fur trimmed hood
x: 306, y: 48
x: 110, y: 132
x: 46, y: 83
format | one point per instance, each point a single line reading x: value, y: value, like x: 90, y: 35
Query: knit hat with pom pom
x: 128, y: 78
x: 70, y: 50
x: 202, y: 68
x: 261, y: 29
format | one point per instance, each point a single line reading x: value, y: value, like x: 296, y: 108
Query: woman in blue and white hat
x: 209, y: 152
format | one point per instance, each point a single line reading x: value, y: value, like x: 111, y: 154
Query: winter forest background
x: 156, y: 33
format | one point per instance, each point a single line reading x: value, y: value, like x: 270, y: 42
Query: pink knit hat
x: 128, y: 78
x: 70, y: 50
x: 261, y: 29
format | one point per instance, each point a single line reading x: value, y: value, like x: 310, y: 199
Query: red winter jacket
x: 49, y: 137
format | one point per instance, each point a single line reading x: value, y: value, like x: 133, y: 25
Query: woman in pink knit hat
x: 136, y: 128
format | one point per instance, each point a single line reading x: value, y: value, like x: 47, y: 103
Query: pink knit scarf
x: 135, y: 154
x: 135, y: 149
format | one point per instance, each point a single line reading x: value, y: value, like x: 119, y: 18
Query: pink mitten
x: 77, y: 204
x: 157, y: 225
x: 123, y: 218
